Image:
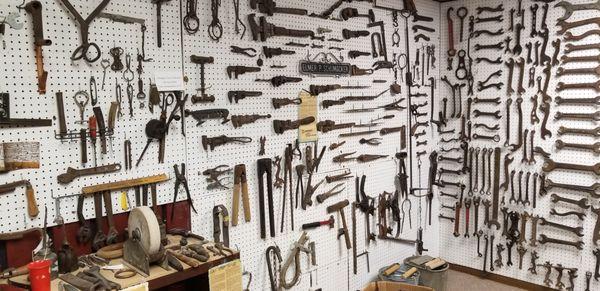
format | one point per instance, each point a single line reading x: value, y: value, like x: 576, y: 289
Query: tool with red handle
x: 311, y: 225
x: 93, y: 135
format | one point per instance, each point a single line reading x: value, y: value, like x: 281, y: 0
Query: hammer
x: 344, y: 230
x: 316, y: 224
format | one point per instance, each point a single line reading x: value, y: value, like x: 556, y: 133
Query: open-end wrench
x: 526, y: 201
x: 507, y: 128
x: 578, y: 71
x: 545, y: 109
x: 476, y: 203
x: 507, y: 161
x: 578, y: 101
x: 458, y: 207
x: 564, y: 25
x: 595, y: 147
x: 563, y: 86
x: 546, y: 240
x: 534, y: 224
x: 578, y: 231
x: 511, y: 67
x: 524, y: 159
x: 568, y: 36
x: 550, y: 165
x: 524, y: 217
x: 467, y: 216
x: 583, y: 116
x: 532, y: 160
x: 495, y: 114
x: 569, y: 47
x: 582, y: 203
x: 592, y: 190
x: 486, y: 217
x: 451, y: 49
x: 534, y: 9
x: 475, y: 172
x: 483, y: 168
x: 570, y: 8
x: 488, y: 191
x: 579, y: 131
x: 462, y: 13
x: 521, y: 65
x: 512, y: 187
x: 515, y: 147
x: 518, y: 48
x: 544, y: 58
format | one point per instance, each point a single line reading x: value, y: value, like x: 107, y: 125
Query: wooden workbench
x: 158, y: 278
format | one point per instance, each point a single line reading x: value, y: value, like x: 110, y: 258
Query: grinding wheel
x: 144, y: 221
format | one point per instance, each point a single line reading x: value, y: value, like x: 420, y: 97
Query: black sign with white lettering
x: 314, y: 68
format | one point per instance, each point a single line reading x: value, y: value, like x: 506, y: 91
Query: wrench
x: 576, y: 230
x: 550, y: 166
x: 546, y: 240
x: 99, y: 237
x: 570, y: 8
x: 113, y: 234
x: 595, y: 147
x: 511, y: 67
x: 582, y: 203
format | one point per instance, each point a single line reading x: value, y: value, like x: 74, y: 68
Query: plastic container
x: 39, y: 275
x: 435, y: 278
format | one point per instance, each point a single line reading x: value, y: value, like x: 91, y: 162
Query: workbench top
x: 158, y: 278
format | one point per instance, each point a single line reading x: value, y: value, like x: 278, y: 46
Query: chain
x: 215, y: 29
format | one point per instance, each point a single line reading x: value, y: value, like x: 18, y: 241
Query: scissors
x: 81, y: 52
x: 167, y: 100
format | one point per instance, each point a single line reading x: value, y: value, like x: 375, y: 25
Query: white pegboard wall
x: 69, y: 77
x: 334, y: 261
x: 464, y: 250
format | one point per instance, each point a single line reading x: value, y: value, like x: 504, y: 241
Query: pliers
x: 244, y: 51
x: 333, y: 191
x: 181, y: 179
x: 343, y: 158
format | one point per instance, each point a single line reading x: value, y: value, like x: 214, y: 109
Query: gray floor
x: 458, y: 281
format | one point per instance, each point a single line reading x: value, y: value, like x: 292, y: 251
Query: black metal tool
x: 159, y: 4
x: 180, y: 179
x: 81, y: 52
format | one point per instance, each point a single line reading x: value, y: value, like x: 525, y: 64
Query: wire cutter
x: 244, y: 51
x: 181, y: 179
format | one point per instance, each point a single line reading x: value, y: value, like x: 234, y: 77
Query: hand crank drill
x: 158, y: 20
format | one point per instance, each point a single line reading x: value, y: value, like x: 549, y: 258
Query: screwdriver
x: 92, y: 129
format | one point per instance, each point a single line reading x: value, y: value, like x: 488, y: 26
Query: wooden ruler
x: 124, y: 184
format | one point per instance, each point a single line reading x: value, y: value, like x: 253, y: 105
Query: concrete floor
x: 458, y: 281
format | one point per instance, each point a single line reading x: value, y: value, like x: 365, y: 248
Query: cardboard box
x: 394, y: 286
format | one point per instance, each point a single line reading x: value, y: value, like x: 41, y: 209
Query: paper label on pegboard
x: 308, y: 132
